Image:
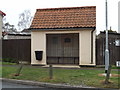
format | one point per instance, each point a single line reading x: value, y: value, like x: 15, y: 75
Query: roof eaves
x: 2, y: 13
x: 73, y: 28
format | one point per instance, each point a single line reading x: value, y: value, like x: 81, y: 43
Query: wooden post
x: 108, y: 75
x: 50, y: 71
x: 19, y: 70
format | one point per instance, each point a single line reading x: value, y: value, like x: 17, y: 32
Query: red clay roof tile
x: 2, y: 13
x: 72, y: 17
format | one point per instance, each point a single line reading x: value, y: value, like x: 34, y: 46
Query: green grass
x: 103, y: 66
x: 114, y: 67
x: 7, y: 63
x: 68, y: 76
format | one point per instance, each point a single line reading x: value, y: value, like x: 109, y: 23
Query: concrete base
x: 104, y: 74
x: 64, y: 66
x: 24, y: 62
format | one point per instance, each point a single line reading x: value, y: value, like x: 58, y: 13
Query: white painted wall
x: 38, y: 42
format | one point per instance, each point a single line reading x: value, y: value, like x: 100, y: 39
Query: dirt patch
x: 11, y: 75
x: 109, y: 82
x: 111, y: 75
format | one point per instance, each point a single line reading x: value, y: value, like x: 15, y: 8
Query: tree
x: 25, y: 19
x: 7, y: 27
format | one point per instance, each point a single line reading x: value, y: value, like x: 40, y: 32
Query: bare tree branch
x: 25, y: 19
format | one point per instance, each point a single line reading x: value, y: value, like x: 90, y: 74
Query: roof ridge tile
x: 64, y: 8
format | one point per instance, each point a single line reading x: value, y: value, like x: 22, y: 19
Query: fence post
x: 50, y: 71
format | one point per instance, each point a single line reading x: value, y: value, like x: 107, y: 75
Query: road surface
x: 15, y: 86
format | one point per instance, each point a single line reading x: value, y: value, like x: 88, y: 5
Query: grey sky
x: 13, y: 8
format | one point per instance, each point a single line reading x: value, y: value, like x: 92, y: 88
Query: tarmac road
x: 15, y: 86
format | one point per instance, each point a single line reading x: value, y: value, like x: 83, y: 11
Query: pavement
x: 41, y: 84
x: 51, y: 85
x: 15, y: 85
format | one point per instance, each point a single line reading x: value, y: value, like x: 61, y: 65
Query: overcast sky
x: 13, y: 8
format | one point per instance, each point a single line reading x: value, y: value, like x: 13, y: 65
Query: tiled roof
x: 73, y: 17
x: 2, y: 13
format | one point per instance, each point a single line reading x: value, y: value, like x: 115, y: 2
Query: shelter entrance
x: 62, y: 48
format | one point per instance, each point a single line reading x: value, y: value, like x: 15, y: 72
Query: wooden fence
x: 20, y: 49
x: 114, y: 51
x: 17, y: 49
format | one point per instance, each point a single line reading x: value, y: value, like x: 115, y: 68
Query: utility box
x: 118, y: 63
x: 39, y: 55
x: 117, y: 43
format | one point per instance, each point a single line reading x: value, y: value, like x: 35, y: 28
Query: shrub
x: 9, y: 60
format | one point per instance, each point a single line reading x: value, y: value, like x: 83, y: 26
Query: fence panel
x: 114, y: 52
x: 18, y: 49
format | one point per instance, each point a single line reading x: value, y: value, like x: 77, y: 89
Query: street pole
x: 106, y: 50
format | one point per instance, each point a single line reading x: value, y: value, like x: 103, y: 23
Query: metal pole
x: 50, y: 71
x: 119, y: 17
x: 106, y: 50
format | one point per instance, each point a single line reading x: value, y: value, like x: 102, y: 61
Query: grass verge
x: 65, y: 76
x: 7, y: 63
